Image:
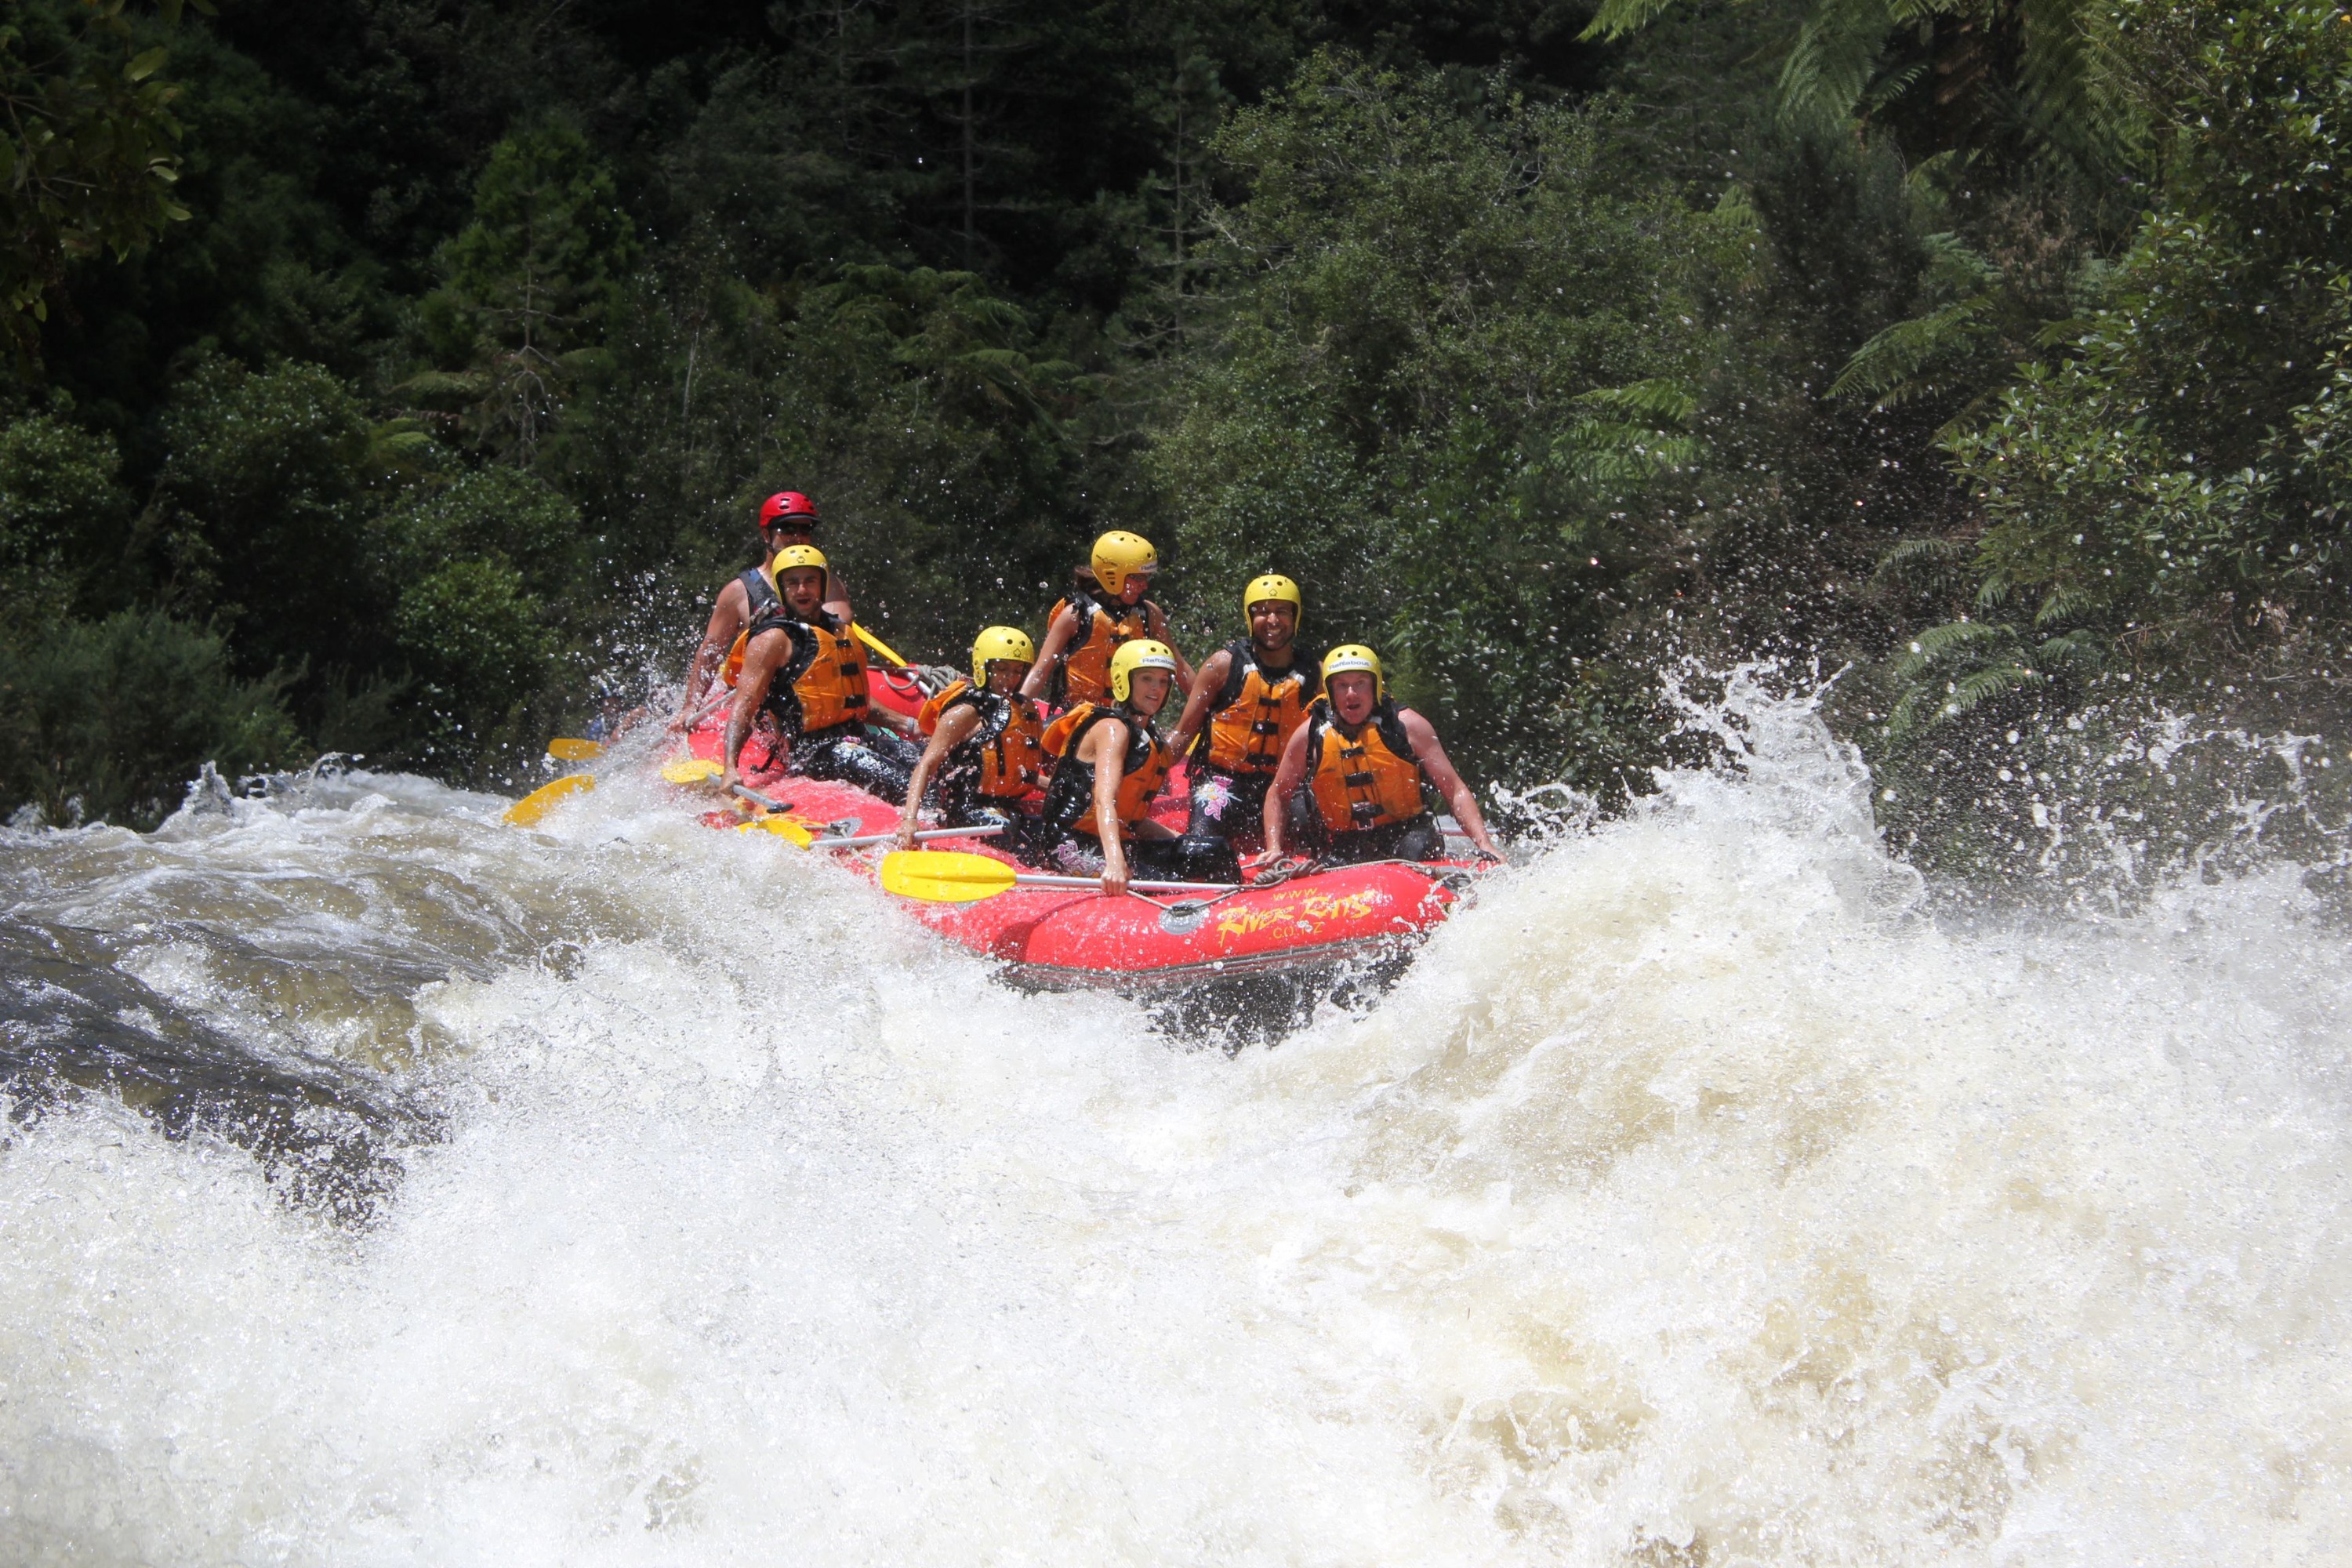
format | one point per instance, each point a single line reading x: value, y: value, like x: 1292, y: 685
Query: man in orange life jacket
x: 1097, y: 812
x: 987, y: 746
x: 1248, y: 699
x: 804, y: 671
x: 1363, y: 761
x: 786, y: 518
x: 1103, y: 610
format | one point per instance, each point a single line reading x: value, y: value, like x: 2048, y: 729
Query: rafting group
x: 1058, y: 752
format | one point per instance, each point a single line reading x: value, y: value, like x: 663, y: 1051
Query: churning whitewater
x: 630, y: 1193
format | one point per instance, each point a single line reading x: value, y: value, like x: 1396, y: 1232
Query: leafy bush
x: 64, y: 517
x: 2167, y: 495
x: 474, y: 635
x: 269, y: 477
x: 1449, y: 347
x: 110, y: 719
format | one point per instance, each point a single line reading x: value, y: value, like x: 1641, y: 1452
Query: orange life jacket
x: 1070, y: 798
x: 1008, y: 749
x: 1368, y: 779
x: 1254, y: 716
x: 1083, y: 674
x: 824, y: 682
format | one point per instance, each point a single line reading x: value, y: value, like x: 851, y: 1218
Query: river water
x: 387, y: 1186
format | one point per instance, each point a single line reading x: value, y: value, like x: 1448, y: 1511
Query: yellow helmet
x: 794, y: 556
x: 1119, y: 555
x: 1273, y: 585
x: 1353, y: 657
x: 1144, y: 653
x: 1000, y: 642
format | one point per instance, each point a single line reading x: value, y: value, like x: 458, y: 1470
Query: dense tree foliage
x: 1993, y: 352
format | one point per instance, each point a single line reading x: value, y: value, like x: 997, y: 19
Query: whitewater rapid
x: 636, y: 1194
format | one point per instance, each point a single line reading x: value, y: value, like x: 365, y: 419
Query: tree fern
x: 1922, y: 566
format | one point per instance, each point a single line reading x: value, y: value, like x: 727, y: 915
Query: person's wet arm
x: 1107, y: 742
x: 1288, y: 774
x: 1196, y: 704
x: 1057, y: 641
x: 766, y: 655
x: 955, y: 726
x: 1438, y: 768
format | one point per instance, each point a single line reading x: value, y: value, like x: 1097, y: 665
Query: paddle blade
x: 944, y: 875
x: 693, y: 770
x: 571, y: 751
x: 526, y: 811
x: 782, y: 827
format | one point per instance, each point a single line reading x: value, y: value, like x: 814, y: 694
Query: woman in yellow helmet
x: 987, y: 740
x: 1104, y: 611
x: 1248, y: 699
x: 1097, y: 812
x: 1364, y: 762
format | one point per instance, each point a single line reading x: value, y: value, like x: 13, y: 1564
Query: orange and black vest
x: 760, y: 600
x: 823, y: 684
x: 1005, y: 757
x: 1070, y: 798
x: 1254, y: 714
x: 1368, y: 779
x: 1083, y: 674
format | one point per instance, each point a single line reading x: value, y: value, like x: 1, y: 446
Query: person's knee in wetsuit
x: 1416, y: 838
x: 960, y: 804
x: 846, y: 753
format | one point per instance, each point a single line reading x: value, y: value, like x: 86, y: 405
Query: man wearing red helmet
x: 786, y: 518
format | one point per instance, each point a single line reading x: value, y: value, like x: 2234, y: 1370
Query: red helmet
x: 786, y: 504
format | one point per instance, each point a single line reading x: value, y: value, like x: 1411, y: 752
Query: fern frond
x: 1913, y: 711
x: 1618, y: 17
x: 2062, y: 602
x: 1953, y: 635
x: 2078, y: 651
x: 1952, y: 262
x: 1662, y: 399
x: 1922, y: 564
x: 1830, y: 65
x: 1736, y: 209
x: 1986, y: 684
x: 1607, y: 452
x: 1965, y: 642
x: 1887, y: 367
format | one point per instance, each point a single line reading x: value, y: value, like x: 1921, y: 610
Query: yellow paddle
x: 526, y: 811
x: 570, y: 751
x: 783, y: 827
x: 879, y: 646
x: 702, y: 769
x: 947, y: 877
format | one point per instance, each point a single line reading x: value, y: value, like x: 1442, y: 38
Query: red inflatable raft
x: 1065, y: 938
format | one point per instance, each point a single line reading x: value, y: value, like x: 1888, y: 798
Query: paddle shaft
x: 756, y: 798
x: 863, y: 840
x: 879, y: 646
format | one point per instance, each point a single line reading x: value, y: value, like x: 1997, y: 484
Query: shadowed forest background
x: 400, y: 377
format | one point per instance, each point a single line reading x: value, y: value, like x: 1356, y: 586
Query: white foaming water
x: 1694, y: 1199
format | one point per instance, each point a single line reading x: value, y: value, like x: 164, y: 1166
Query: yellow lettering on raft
x: 1249, y: 921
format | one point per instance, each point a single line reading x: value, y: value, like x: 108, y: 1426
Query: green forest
x: 399, y: 378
